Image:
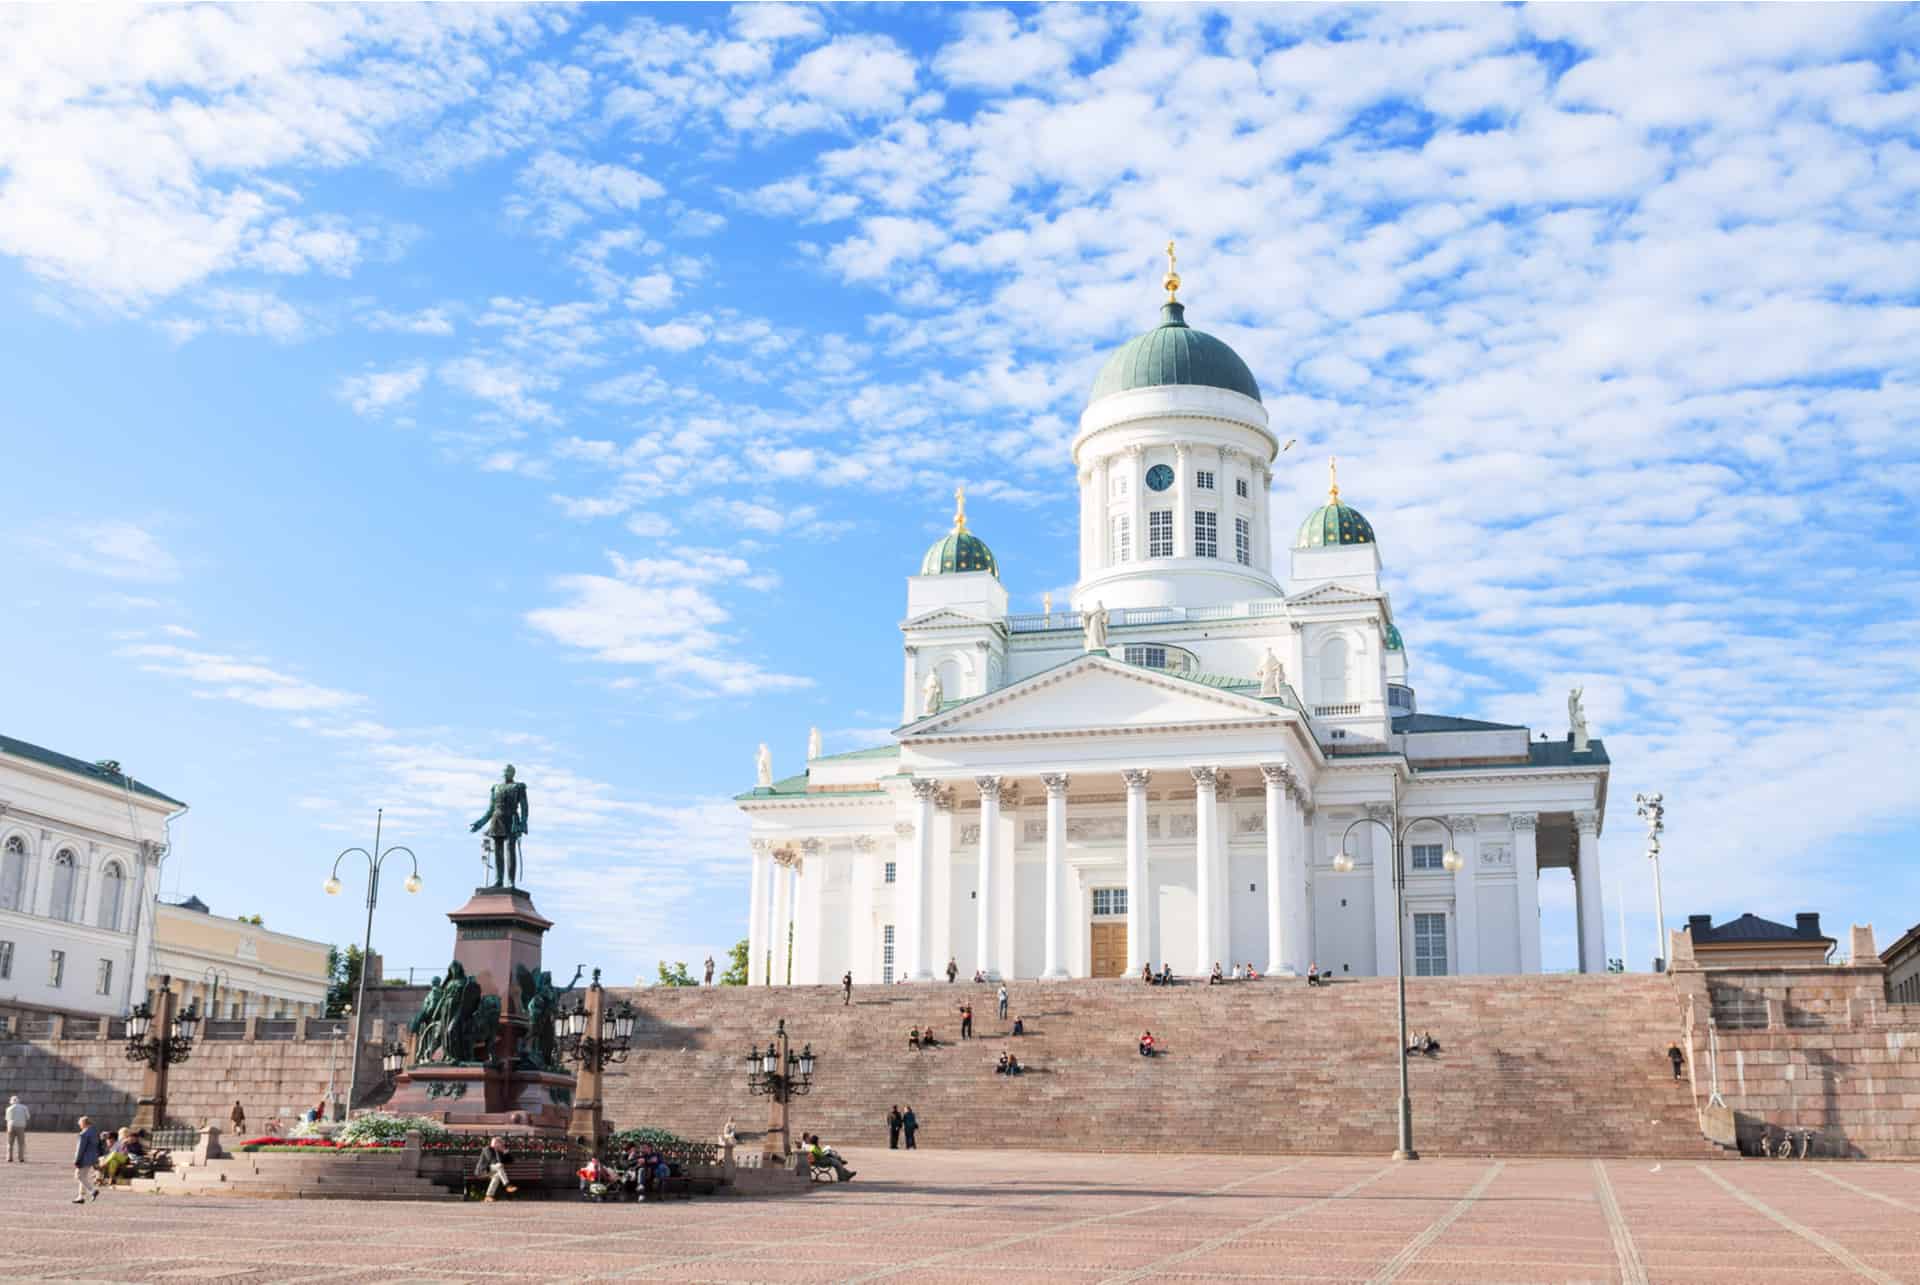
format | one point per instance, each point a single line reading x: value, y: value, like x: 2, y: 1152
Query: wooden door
x: 1110, y: 948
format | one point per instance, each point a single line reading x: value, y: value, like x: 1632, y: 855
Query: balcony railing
x: 1335, y: 711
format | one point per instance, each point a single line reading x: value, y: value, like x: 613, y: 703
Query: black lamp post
x: 780, y: 1075
x: 159, y: 1040
x: 393, y: 1058
x: 595, y: 1037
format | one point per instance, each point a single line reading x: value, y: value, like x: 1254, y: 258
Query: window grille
x: 1242, y: 543
x: 1120, y: 539
x: 1206, y: 534
x: 1430, y: 945
x: 886, y: 954
x: 1203, y: 480
x: 1160, y: 533
x: 1426, y: 856
x: 892, y: 870
x: 13, y: 872
x: 1240, y: 487
x: 1146, y: 655
x: 1109, y: 901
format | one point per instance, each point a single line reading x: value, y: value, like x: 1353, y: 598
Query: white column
x: 1285, y: 882
x: 757, y: 916
x: 1593, y: 918
x: 1526, y: 878
x: 1206, y: 806
x: 782, y: 916
x: 1382, y: 844
x: 1137, y: 502
x: 910, y: 702
x: 1139, y: 891
x: 1183, y: 507
x: 863, y: 941
x: 1102, y: 536
x: 985, y: 940
x: 1303, y: 920
x: 1223, y: 864
x: 808, y: 912
x: 1056, y: 876
x: 919, y: 946
x: 1466, y: 897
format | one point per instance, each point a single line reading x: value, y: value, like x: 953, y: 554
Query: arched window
x: 13, y: 873
x: 1333, y: 672
x: 65, y: 867
x: 113, y: 887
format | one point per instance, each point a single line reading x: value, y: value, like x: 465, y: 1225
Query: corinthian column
x: 1526, y: 881
x: 919, y: 948
x: 1284, y: 881
x: 1593, y: 919
x: 757, y: 915
x: 1056, y: 875
x: 1139, y: 891
x: 989, y: 833
x: 1206, y: 809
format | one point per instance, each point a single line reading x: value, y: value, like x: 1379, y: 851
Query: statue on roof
x: 813, y: 744
x: 931, y: 695
x: 763, y: 768
x: 1095, y: 624
x: 1271, y: 674
x: 1577, y: 720
x: 506, y: 823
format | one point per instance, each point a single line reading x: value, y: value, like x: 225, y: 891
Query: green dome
x: 959, y: 550
x: 1393, y: 638
x: 1334, y: 523
x: 1175, y: 353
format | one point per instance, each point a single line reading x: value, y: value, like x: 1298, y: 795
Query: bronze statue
x: 457, y: 1022
x: 506, y: 822
x: 540, y: 1001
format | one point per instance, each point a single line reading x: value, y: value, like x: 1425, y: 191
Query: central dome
x: 1175, y: 353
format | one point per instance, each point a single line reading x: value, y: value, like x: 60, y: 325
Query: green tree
x: 675, y: 976
x: 736, y: 974
x: 343, y: 978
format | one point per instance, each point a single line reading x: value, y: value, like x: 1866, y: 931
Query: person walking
x: 846, y: 988
x: 966, y: 1021
x: 709, y: 970
x: 909, y: 1125
x: 238, y: 1116
x: 86, y: 1154
x: 953, y: 971
x: 17, y: 1117
x: 893, y: 1129
x: 1003, y: 1001
x: 1679, y: 1060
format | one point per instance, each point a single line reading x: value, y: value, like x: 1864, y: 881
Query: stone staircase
x: 1544, y: 1065
x: 281, y: 1175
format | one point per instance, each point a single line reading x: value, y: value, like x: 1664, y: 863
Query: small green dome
x: 1393, y: 638
x: 959, y: 550
x: 1334, y: 522
x: 1175, y: 353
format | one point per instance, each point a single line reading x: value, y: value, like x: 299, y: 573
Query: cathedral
x: 1203, y: 758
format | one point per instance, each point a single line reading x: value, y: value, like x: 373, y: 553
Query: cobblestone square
x: 974, y: 1216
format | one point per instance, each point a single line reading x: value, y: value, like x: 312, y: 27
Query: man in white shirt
x: 17, y: 1116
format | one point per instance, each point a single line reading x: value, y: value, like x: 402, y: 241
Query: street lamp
x: 1451, y: 862
x: 393, y: 1058
x: 595, y: 1037
x: 780, y: 1075
x: 1652, y: 808
x: 375, y: 859
x: 158, y: 1038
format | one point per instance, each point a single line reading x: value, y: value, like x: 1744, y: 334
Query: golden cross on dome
x: 1172, y: 280
x: 1333, y: 480
x: 959, y: 508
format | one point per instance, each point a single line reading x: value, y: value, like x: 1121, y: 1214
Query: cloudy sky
x: 394, y: 392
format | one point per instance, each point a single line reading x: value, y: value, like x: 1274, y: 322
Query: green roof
x: 80, y: 767
x: 873, y: 752
x: 1334, y: 523
x: 957, y: 551
x: 1175, y: 353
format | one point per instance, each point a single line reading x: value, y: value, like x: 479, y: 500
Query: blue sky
x: 392, y: 393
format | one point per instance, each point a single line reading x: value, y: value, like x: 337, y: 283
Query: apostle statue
x: 506, y: 822
x: 813, y: 744
x: 1271, y: 674
x: 931, y: 695
x: 763, y: 768
x: 1095, y: 623
x: 1577, y: 719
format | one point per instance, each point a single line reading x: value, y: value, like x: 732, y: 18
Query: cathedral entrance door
x: 1109, y: 948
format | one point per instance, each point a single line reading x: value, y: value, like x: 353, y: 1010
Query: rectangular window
x: 1146, y: 655
x: 1118, y: 488
x: 1240, y: 487
x: 56, y: 968
x: 1426, y: 856
x: 103, y: 978
x: 1160, y: 533
x: 1109, y: 901
x: 1203, y: 480
x: 1120, y: 539
x: 886, y: 954
x: 1206, y: 534
x: 1430, y: 945
x: 6, y: 959
x: 1242, y: 543
x: 892, y: 870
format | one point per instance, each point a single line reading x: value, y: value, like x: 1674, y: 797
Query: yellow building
x: 235, y: 969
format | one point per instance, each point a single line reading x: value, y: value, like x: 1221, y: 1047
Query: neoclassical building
x: 1187, y: 763
x: 80, y: 851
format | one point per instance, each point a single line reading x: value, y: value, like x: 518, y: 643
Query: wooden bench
x: 519, y: 1173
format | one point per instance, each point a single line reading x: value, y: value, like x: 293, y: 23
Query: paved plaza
x: 977, y: 1216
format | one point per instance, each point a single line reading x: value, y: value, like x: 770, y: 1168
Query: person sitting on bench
x: 1217, y: 976
x: 821, y: 1156
x: 493, y: 1167
x: 592, y: 1174
x: 1146, y: 1044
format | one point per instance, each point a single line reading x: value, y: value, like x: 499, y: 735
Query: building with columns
x: 231, y: 968
x: 1204, y: 757
x: 80, y: 851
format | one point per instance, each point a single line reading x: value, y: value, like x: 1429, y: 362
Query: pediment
x: 945, y: 618
x: 1094, y: 694
x: 1331, y: 595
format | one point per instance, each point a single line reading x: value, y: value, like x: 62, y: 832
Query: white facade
x: 80, y: 852
x: 1069, y: 805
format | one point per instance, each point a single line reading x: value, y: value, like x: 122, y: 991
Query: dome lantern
x: 959, y: 551
x: 1334, y: 523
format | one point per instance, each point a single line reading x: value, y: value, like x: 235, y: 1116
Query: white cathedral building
x: 1207, y: 758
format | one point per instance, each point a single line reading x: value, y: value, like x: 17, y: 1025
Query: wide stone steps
x: 1534, y: 1065
x: 287, y: 1176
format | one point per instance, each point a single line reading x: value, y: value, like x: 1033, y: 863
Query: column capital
x: 989, y: 786
x: 1380, y: 812
x: 1056, y: 783
x: 812, y: 846
x: 761, y: 847
x: 1587, y: 822
x: 1204, y: 777
x: 924, y: 788
x: 1135, y: 450
x: 1464, y: 824
x: 1181, y: 450
x: 1280, y: 774
x: 1523, y: 821
x: 1136, y: 777
x: 903, y: 829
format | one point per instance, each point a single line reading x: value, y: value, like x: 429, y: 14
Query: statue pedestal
x: 497, y: 933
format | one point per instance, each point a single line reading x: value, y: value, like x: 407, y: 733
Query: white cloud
x: 674, y: 336
x: 115, y: 549
x: 232, y: 678
x: 558, y: 192
x: 378, y: 390
x: 860, y: 76
x: 427, y: 321
x: 654, y: 290
x: 507, y: 386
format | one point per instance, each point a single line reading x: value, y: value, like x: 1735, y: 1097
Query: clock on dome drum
x: 1159, y: 477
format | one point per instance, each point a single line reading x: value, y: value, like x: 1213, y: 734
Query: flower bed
x: 273, y: 1142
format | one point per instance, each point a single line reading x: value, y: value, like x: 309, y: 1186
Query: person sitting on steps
x: 1217, y: 976
x: 913, y: 1039
x: 1166, y: 974
x: 1147, y: 1044
x: 926, y: 1039
x: 1313, y: 973
x: 1009, y: 1064
x: 1146, y: 974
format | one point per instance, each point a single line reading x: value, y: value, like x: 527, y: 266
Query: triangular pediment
x: 1331, y: 594
x: 1094, y: 693
x: 945, y: 618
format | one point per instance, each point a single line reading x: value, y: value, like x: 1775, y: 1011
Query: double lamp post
x: 375, y: 859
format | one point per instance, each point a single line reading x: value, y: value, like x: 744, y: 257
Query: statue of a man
x: 1096, y: 626
x: 931, y: 695
x: 1577, y: 720
x: 506, y: 822
x: 1271, y: 674
x: 813, y: 744
x: 763, y: 768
